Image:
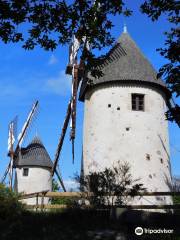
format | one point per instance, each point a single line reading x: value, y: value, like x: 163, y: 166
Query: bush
x: 112, y: 186
x: 9, y: 204
x: 69, y: 201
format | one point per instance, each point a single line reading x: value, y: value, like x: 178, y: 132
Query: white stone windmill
x: 33, y: 167
x: 13, y: 151
x: 124, y: 118
x: 32, y: 164
x: 33, y: 170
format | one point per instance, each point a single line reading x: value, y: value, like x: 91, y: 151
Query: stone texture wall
x: 113, y: 132
x: 38, y: 179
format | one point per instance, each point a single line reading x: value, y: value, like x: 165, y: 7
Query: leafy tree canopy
x: 49, y: 23
x: 170, y: 71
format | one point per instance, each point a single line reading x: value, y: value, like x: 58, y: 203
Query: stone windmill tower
x: 124, y: 118
x: 33, y: 170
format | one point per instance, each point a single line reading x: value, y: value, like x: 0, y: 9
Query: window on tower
x: 25, y: 172
x: 137, y: 102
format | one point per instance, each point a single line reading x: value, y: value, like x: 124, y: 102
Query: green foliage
x: 9, y: 204
x: 112, y: 186
x: 176, y: 188
x: 176, y: 199
x: 171, y: 70
x: 51, y: 23
x: 55, y: 186
x: 69, y: 201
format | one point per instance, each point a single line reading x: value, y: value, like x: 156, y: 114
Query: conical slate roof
x: 125, y: 63
x: 34, y: 154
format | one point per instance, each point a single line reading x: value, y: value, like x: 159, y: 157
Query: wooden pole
x: 74, y: 100
x: 73, y: 105
x: 11, y: 156
x: 37, y: 201
x: 11, y: 170
x: 60, y: 180
x: 61, y: 140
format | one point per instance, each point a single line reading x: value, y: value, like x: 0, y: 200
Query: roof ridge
x: 128, y: 36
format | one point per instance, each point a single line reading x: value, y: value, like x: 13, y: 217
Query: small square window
x: 25, y: 172
x: 109, y: 105
x: 137, y: 102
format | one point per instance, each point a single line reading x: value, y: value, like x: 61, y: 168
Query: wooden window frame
x: 25, y: 172
x: 137, y: 102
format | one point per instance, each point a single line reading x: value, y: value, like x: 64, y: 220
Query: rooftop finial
x: 125, y: 28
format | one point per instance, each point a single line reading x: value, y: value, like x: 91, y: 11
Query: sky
x: 26, y: 76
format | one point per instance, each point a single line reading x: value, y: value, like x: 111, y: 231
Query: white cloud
x: 60, y: 85
x: 34, y: 85
x: 53, y: 60
x: 8, y: 91
x: 71, y: 185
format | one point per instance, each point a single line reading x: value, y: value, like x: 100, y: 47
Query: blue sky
x: 29, y: 75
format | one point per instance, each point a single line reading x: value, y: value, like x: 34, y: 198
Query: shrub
x: 9, y: 204
x: 112, y: 186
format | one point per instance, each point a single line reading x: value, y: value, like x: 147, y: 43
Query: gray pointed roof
x: 125, y: 63
x: 34, y: 154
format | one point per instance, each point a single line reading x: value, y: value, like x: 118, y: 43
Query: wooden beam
x: 61, y: 140
x: 60, y: 180
x: 87, y: 194
x: 175, y: 206
x: 46, y: 206
x: 128, y: 207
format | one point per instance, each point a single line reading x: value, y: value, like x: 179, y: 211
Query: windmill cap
x: 34, y: 154
x: 125, y: 63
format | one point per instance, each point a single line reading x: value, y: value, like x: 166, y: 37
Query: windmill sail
x: 74, y: 51
x: 12, y: 133
x: 73, y: 106
x: 23, y: 132
x: 20, y: 139
x: 72, y: 69
x: 11, y: 137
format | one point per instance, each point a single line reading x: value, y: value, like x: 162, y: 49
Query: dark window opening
x: 109, y: 105
x: 118, y: 108
x: 25, y: 172
x: 161, y: 160
x: 127, y: 129
x: 148, y: 157
x: 137, y: 102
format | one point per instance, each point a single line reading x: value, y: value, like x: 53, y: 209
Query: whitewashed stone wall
x: 139, y: 137
x: 38, y: 179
